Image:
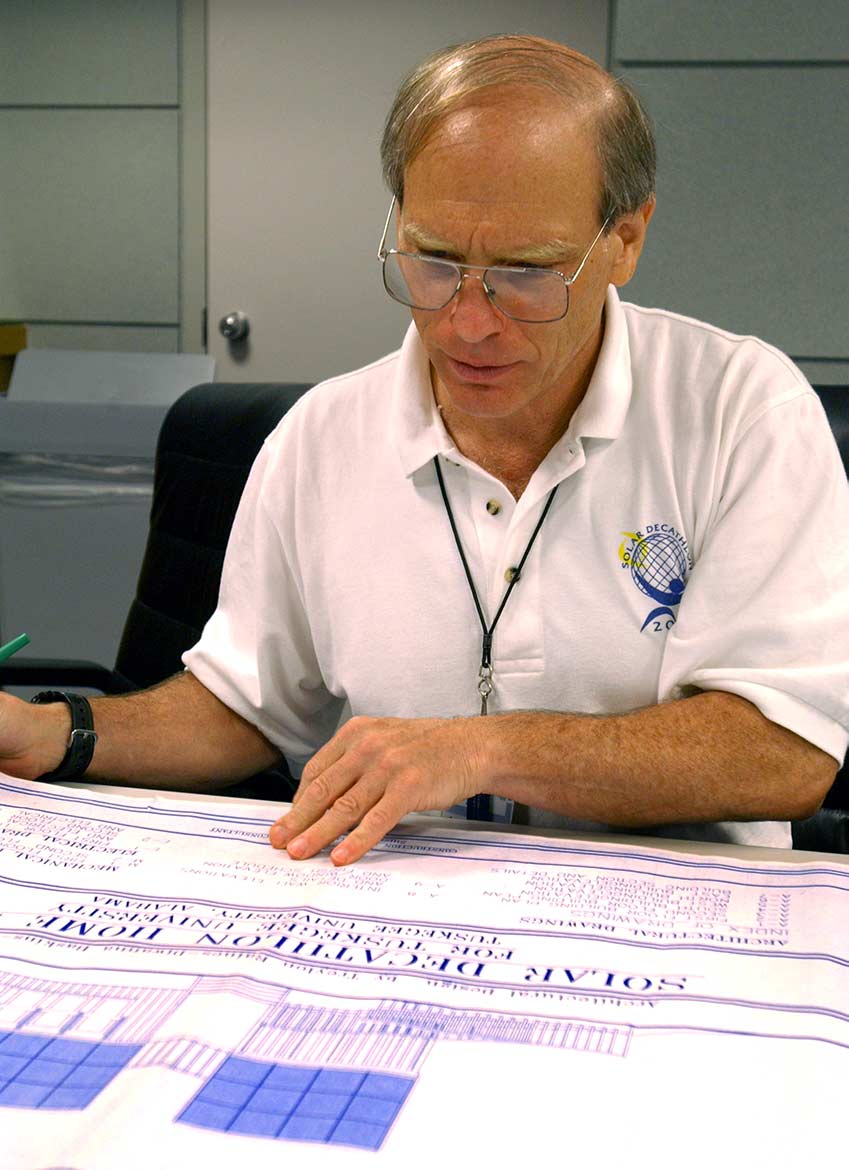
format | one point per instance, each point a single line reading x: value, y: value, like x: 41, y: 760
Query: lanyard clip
x: 484, y: 685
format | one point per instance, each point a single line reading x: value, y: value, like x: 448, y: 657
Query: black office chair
x: 208, y: 441
x: 835, y: 399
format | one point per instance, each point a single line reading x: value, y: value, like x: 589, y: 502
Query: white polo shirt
x: 697, y: 540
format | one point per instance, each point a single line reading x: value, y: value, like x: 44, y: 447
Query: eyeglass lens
x: 423, y: 282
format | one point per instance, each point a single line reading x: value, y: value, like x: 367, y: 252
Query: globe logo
x: 659, y: 567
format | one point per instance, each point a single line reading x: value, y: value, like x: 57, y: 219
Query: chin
x: 482, y: 400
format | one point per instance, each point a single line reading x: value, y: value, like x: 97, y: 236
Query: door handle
x: 235, y: 326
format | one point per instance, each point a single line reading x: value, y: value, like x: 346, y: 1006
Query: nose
x: 472, y: 314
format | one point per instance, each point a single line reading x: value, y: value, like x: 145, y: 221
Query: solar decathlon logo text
x: 658, y: 560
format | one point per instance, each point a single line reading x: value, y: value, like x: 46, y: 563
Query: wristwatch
x: 82, y: 739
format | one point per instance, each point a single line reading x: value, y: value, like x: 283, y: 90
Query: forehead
x: 523, y: 162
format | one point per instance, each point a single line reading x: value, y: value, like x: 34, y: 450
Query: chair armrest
x: 59, y: 673
x: 827, y: 831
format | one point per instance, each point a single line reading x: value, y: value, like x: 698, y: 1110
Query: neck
x: 508, y: 457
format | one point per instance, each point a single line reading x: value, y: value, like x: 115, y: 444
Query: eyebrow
x: 548, y: 253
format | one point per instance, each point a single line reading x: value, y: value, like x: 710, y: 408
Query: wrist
x: 74, y: 721
x: 488, y: 754
x: 52, y: 730
x: 497, y: 768
x: 527, y: 755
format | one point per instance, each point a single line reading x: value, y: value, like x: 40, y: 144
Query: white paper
x: 168, y: 980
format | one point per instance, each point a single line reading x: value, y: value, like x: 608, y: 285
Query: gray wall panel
x: 124, y: 339
x: 751, y: 199
x: 88, y: 52
x: 821, y: 373
x: 728, y: 30
x: 89, y: 230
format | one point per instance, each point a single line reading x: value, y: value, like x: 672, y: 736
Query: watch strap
x: 82, y: 739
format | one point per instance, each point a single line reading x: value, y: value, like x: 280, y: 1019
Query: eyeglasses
x: 532, y: 295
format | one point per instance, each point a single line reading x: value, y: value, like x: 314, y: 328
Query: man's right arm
x: 174, y: 735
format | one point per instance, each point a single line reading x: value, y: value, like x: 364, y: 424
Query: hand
x: 371, y: 774
x: 33, y: 739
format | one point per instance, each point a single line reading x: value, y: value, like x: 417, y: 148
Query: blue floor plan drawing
x: 50, y: 1072
x: 293, y: 1101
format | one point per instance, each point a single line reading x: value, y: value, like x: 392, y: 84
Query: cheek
x: 427, y: 326
x: 551, y: 345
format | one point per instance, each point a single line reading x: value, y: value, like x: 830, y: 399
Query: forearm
x: 177, y: 734
x: 711, y: 757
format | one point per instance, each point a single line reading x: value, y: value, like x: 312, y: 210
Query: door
x: 297, y: 96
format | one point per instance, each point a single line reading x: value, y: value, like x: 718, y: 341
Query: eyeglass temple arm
x: 577, y: 271
x: 381, y: 251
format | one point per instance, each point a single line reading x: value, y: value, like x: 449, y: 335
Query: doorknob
x: 235, y: 326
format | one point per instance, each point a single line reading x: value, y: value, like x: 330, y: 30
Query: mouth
x: 477, y: 372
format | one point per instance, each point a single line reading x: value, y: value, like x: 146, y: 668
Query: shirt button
x: 493, y: 507
x: 511, y: 574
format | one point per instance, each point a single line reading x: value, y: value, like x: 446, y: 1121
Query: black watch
x: 82, y: 739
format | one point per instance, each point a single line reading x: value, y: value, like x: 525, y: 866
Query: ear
x: 629, y: 234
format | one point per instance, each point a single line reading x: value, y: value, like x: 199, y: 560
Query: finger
x: 327, y: 755
x: 371, y: 830
x: 316, y: 798
x: 347, y: 811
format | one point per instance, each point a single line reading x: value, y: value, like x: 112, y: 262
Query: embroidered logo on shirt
x: 658, y: 559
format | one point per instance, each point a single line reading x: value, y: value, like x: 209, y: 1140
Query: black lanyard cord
x: 479, y: 808
x: 484, y: 679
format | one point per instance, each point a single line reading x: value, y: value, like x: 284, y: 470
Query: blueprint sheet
x: 174, y: 993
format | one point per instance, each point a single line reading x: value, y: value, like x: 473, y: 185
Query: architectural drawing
x: 164, y: 974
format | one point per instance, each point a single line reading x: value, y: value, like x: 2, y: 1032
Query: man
x: 605, y: 527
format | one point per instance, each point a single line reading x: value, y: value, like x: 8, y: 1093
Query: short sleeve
x: 256, y: 652
x: 765, y: 613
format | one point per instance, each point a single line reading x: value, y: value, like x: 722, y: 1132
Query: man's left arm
x: 710, y: 757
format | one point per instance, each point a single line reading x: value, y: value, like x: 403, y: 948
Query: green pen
x: 13, y: 647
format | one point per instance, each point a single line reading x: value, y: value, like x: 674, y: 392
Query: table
x: 175, y: 993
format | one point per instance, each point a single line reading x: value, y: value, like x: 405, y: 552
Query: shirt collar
x: 601, y: 413
x: 415, y: 421
x: 420, y: 433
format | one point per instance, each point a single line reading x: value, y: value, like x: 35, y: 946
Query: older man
x: 610, y: 530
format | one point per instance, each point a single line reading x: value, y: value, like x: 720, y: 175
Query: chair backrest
x: 206, y: 447
x: 835, y: 399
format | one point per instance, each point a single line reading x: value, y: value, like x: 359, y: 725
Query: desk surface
x: 174, y: 992
x: 270, y: 809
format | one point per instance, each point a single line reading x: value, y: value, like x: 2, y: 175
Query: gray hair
x: 447, y: 80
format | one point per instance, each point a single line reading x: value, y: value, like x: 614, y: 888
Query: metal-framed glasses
x: 532, y: 295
